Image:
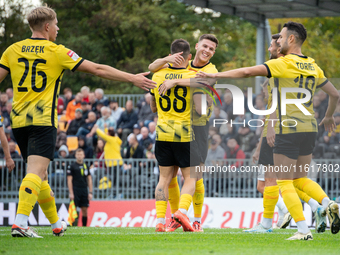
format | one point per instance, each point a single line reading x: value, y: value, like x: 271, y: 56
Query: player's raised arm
x: 161, y: 63
x: 110, y: 73
x: 328, y: 120
x: 259, y: 70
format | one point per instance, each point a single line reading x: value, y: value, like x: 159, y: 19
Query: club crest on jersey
x: 73, y: 55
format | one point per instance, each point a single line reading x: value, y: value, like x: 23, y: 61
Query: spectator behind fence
x: 9, y: 93
x: 152, y: 131
x: 87, y: 149
x: 98, y: 110
x: 5, y: 114
x: 112, y: 147
x: 228, y: 103
x: 88, y: 125
x: 60, y: 106
x: 68, y: 97
x: 85, y: 91
x: 145, y: 115
x: 234, y: 152
x: 78, y: 180
x: 116, y: 111
x: 73, y: 106
x: 218, y: 113
x: 126, y: 121
x: 76, y: 123
x: 216, y: 152
x: 145, y: 139
x: 245, y: 137
x: 85, y: 109
x: 106, y: 121
x: 99, y: 93
x: 61, y: 138
x: 92, y: 101
x: 134, y: 151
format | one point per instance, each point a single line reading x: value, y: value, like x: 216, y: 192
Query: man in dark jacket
x: 76, y: 123
x: 126, y: 121
x: 82, y: 144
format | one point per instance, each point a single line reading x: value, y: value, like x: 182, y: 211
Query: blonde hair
x: 39, y: 16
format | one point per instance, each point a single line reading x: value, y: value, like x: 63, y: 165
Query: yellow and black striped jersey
x: 294, y: 71
x: 201, y: 120
x: 36, y: 67
x: 174, y: 108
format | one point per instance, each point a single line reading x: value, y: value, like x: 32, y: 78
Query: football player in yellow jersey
x: 174, y: 138
x: 36, y: 66
x: 267, y: 181
x: 294, y: 146
x: 205, y: 49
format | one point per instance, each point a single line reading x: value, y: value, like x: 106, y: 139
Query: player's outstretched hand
x: 142, y: 82
x: 201, y: 74
x: 10, y: 164
x: 167, y: 84
x: 271, y: 136
x: 175, y: 59
x: 329, y: 123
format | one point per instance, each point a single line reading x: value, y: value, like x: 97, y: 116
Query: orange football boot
x: 160, y: 227
x: 173, y: 225
x: 182, y: 219
x: 197, y: 226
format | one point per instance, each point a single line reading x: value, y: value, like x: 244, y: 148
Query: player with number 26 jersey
x: 36, y: 66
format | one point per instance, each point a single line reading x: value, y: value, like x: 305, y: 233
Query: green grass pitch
x: 125, y: 241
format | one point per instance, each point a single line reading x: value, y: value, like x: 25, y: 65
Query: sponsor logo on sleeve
x: 73, y: 55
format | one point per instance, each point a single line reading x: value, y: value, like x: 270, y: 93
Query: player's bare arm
x: 153, y: 105
x: 259, y: 70
x: 271, y: 129
x: 3, y: 74
x: 161, y: 63
x: 110, y: 73
x: 9, y: 161
x: 70, y: 187
x: 89, y: 183
x: 328, y: 120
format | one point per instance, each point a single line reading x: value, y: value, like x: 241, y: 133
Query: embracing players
x: 205, y: 50
x: 294, y: 146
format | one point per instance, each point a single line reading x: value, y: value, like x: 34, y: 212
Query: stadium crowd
x: 82, y: 116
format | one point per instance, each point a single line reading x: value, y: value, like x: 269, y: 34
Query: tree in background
x: 129, y: 34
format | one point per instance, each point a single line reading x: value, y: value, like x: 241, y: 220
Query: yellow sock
x: 28, y: 193
x: 185, y: 201
x: 47, y: 203
x: 198, y: 199
x: 270, y: 197
x: 302, y: 195
x: 291, y: 199
x: 174, y: 195
x: 161, y: 208
x: 311, y: 188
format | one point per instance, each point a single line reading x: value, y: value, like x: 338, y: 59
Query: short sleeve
x: 4, y: 61
x: 322, y: 80
x: 68, y: 59
x: 276, y: 67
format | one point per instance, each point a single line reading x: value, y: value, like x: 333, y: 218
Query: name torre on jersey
x: 34, y: 49
x: 305, y: 66
x: 173, y: 76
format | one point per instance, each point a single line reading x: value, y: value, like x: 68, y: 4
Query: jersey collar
x: 301, y: 56
x: 37, y: 38
x: 192, y: 65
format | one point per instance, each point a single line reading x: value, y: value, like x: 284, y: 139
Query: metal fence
x: 122, y: 98
x: 115, y: 183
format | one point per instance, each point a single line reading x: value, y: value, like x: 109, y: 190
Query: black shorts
x: 36, y: 140
x: 295, y: 145
x: 177, y: 154
x: 81, y: 197
x: 201, y: 138
x: 266, y: 153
